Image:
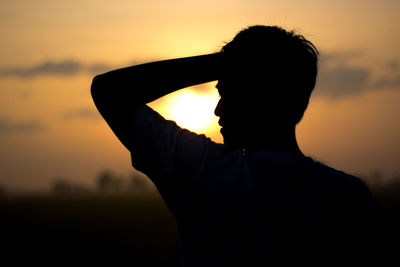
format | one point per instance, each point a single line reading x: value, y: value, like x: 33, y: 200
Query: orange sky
x: 50, y: 51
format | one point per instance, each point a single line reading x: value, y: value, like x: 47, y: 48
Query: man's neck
x: 277, y: 141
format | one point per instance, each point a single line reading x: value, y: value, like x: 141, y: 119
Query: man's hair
x: 282, y: 63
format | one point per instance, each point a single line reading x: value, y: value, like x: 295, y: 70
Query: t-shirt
x: 243, y: 209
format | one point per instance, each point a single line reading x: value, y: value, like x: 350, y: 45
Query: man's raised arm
x: 117, y: 93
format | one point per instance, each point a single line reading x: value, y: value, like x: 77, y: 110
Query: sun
x: 194, y: 111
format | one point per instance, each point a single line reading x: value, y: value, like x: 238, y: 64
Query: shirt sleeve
x: 172, y: 157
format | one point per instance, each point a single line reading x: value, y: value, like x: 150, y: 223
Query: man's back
x: 234, y: 207
x: 262, y: 206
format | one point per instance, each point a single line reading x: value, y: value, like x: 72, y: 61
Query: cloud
x: 339, y: 57
x: 337, y: 78
x: 60, y: 68
x: 340, y: 81
x: 24, y: 127
x: 64, y: 68
x: 388, y: 82
x: 82, y: 113
x: 98, y: 68
x: 393, y: 65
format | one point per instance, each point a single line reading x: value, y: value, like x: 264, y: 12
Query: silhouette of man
x: 256, y: 198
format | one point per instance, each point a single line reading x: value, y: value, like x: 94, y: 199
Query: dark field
x: 115, y: 228
x: 95, y: 228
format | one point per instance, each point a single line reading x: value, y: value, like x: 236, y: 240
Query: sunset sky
x: 51, y: 50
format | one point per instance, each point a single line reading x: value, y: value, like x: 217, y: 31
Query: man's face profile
x: 233, y: 111
x: 247, y: 108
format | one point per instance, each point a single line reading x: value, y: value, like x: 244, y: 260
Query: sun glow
x: 194, y: 111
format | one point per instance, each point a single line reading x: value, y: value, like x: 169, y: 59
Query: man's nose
x: 218, y: 108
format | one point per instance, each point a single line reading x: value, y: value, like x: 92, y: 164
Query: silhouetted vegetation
x: 63, y: 186
x: 3, y: 190
x: 95, y: 229
x: 107, y: 226
x: 108, y: 182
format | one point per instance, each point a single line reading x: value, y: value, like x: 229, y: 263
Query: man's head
x: 266, y: 81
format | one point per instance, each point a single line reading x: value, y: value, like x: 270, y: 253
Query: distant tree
x: 377, y: 177
x: 137, y: 183
x: 396, y: 178
x: 60, y: 186
x: 63, y: 186
x: 3, y: 190
x: 108, y: 182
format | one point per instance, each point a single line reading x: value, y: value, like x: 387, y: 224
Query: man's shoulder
x: 337, y: 178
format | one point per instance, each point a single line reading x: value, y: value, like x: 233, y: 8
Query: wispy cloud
x: 337, y: 78
x: 394, y: 64
x: 388, y: 82
x: 64, y: 68
x: 97, y: 68
x: 341, y: 81
x: 24, y: 127
x: 342, y: 57
x: 82, y: 113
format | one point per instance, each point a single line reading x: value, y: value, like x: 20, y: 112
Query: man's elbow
x: 100, y: 90
x: 96, y: 87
